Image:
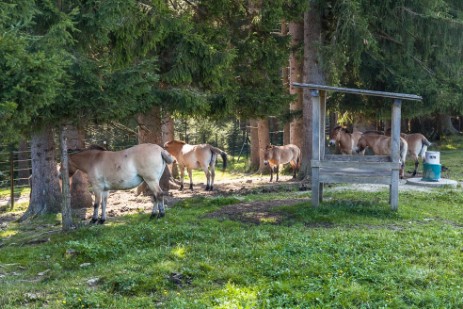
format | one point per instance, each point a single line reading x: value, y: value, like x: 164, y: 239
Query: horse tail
x: 403, y: 150
x: 166, y: 156
x: 424, y: 147
x: 222, y: 153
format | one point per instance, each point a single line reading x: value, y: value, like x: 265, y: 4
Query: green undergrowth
x: 351, y: 252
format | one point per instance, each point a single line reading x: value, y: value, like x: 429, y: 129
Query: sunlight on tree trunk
x: 150, y: 131
x: 66, y: 212
x: 312, y: 74
x: 254, y: 137
x: 81, y: 198
x: 45, y: 192
x: 264, y: 140
x: 296, y: 30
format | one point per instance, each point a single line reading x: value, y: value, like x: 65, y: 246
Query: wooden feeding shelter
x: 327, y: 168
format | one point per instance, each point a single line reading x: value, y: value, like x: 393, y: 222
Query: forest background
x: 159, y: 68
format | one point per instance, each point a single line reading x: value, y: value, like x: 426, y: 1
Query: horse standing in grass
x: 417, y: 146
x: 344, y: 140
x: 121, y: 170
x: 381, y: 145
x: 201, y: 156
x: 274, y: 156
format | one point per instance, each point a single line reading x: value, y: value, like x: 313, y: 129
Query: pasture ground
x: 249, y: 244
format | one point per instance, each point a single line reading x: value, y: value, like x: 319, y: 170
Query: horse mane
x: 344, y: 129
x: 91, y: 147
x: 178, y: 141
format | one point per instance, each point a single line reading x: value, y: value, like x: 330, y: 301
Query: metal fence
x: 15, y: 169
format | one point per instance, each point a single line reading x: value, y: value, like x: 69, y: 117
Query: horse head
x: 362, y: 144
x: 335, y: 135
x: 268, y: 153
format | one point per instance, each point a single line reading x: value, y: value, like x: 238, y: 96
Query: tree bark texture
x: 312, y: 74
x: 150, y: 131
x: 296, y: 30
x: 254, y: 136
x: 81, y: 197
x: 264, y: 140
x: 67, y: 222
x: 45, y: 191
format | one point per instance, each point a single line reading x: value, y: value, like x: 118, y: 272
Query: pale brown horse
x: 344, y: 140
x: 417, y: 146
x: 120, y: 170
x: 274, y: 156
x: 201, y: 156
x: 381, y: 145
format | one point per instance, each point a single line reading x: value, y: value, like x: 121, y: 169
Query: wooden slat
x: 347, y: 166
x: 358, y: 158
x: 345, y: 178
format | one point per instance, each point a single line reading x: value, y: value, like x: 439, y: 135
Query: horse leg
x: 416, y: 167
x: 271, y: 173
x: 104, y: 201
x: 293, y: 166
x: 190, y: 175
x: 158, y: 210
x: 212, y: 177
x: 182, y: 176
x: 278, y: 171
x: 96, y: 205
x: 208, y: 178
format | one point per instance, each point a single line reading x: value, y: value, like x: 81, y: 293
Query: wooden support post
x: 395, y: 154
x: 11, y: 179
x: 322, y: 135
x: 315, y: 97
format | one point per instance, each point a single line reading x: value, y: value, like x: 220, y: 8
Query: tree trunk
x: 264, y: 140
x: 81, y: 198
x: 296, y: 30
x: 285, y: 78
x: 150, y: 131
x: 254, y: 136
x: 168, y: 134
x: 45, y: 192
x: 67, y: 222
x: 312, y: 74
x: 445, y: 125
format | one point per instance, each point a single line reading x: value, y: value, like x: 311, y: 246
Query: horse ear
x: 347, y: 130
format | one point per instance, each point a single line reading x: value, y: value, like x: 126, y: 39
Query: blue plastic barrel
x: 431, y: 172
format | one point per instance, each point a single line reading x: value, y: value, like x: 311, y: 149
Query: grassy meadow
x: 351, y: 252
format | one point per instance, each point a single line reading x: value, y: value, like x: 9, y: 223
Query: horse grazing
x: 120, y: 170
x: 344, y: 140
x: 201, y: 156
x: 381, y: 145
x: 276, y: 155
x: 417, y: 146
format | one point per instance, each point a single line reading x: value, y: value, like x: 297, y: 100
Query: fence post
x: 11, y: 179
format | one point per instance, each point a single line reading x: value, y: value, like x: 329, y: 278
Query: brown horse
x: 417, y: 146
x: 276, y: 155
x: 381, y: 145
x: 344, y: 140
x: 120, y: 170
x: 201, y: 156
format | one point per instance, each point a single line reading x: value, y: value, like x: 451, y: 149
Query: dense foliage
x: 403, y: 46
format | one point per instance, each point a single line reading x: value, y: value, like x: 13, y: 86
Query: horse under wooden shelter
x: 353, y: 169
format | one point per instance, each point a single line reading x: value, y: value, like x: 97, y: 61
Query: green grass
x: 351, y: 252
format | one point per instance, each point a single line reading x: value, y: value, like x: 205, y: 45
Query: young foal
x: 276, y: 155
x: 344, y: 140
x: 201, y: 156
x: 120, y: 170
x: 381, y: 145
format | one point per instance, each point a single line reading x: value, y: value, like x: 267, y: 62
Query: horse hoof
x: 93, y: 220
x: 181, y: 188
x: 101, y: 221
